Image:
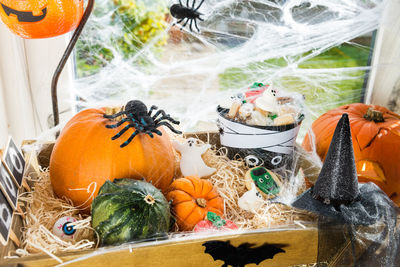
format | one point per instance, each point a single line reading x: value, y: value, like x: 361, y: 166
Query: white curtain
x: 385, y: 76
x: 16, y: 103
x: 26, y: 70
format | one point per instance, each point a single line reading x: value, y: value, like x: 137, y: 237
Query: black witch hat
x: 337, y: 193
x: 337, y: 182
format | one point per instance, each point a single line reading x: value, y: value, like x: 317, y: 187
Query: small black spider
x: 137, y: 115
x: 190, y: 14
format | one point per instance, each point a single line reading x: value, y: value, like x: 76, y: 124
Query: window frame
x: 383, y: 77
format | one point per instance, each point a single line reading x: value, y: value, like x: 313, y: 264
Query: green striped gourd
x: 127, y: 210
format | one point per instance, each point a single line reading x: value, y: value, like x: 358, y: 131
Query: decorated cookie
x: 191, y: 162
x: 259, y: 119
x: 63, y: 228
x: 251, y: 200
x: 266, y: 182
x: 284, y: 100
x: 233, y: 111
x: 287, y: 109
x: 213, y: 222
x: 284, y: 120
x: 255, y: 91
x: 245, y: 111
x: 267, y: 102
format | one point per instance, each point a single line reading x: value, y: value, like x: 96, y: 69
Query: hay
x: 229, y: 181
x: 43, y: 209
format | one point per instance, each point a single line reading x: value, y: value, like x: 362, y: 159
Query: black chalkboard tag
x: 15, y: 161
x: 7, y: 186
x: 6, y: 214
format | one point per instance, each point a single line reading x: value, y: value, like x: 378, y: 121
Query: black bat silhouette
x: 244, y: 254
x: 24, y: 16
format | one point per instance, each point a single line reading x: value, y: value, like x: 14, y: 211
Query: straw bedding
x: 43, y: 209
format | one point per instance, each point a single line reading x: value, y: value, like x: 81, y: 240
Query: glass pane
x: 130, y: 50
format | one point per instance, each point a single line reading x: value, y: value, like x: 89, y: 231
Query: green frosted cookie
x: 265, y: 180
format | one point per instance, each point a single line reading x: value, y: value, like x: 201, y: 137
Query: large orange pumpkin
x: 192, y: 198
x: 41, y: 18
x: 84, y: 157
x: 376, y: 142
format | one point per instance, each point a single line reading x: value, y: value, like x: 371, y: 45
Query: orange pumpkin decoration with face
x: 85, y: 156
x: 192, y: 198
x: 41, y: 18
x: 376, y: 142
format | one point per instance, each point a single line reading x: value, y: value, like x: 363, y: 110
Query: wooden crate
x: 301, y: 244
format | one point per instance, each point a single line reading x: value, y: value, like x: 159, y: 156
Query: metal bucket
x: 272, y: 145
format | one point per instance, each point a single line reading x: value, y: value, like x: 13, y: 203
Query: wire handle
x: 67, y: 53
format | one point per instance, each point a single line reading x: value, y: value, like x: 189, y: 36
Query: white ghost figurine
x: 191, y: 162
x: 251, y: 200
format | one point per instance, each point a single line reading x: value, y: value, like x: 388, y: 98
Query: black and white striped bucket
x: 274, y: 145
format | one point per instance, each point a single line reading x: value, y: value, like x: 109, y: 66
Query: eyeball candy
x: 64, y: 229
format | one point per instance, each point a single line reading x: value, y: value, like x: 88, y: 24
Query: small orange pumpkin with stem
x: 192, y: 198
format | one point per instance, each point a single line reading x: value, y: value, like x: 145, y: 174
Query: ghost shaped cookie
x: 191, y: 162
x: 251, y: 200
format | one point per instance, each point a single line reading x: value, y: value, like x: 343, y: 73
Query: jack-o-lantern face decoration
x: 41, y: 18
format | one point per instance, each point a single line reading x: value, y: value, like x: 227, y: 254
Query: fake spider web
x: 130, y: 50
x: 292, y: 45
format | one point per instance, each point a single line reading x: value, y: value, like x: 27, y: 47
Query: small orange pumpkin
x: 376, y: 143
x: 192, y: 198
x: 84, y: 157
x: 41, y: 18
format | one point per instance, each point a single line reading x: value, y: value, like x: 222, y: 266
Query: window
x: 129, y: 50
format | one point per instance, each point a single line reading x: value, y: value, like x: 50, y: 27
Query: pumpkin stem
x: 149, y: 199
x: 374, y: 115
x: 114, y: 110
x: 201, y: 202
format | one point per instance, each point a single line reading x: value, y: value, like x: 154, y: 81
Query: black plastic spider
x: 137, y: 115
x: 187, y: 13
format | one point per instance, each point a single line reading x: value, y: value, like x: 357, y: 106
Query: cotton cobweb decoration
x: 283, y: 43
